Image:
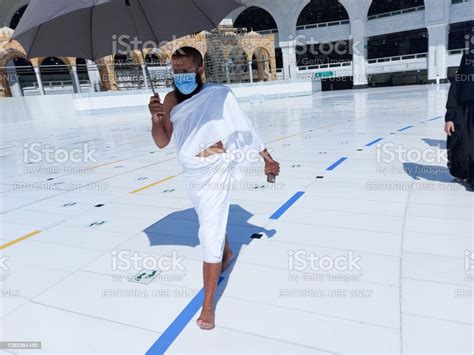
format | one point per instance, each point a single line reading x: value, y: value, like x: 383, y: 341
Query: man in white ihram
x: 211, y: 134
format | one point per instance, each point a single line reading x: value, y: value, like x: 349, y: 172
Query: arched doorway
x: 17, y: 17
x: 261, y: 66
x: 56, y: 76
x: 25, y: 77
x: 323, y: 13
x: 260, y: 20
x: 128, y: 73
x: 330, y: 12
x: 17, y: 77
x: 256, y: 19
x: 382, y: 8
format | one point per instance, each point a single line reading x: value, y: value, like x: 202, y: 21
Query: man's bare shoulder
x: 170, y: 101
x: 170, y: 98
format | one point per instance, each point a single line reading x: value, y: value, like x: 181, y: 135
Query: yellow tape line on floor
x: 152, y: 185
x: 13, y: 242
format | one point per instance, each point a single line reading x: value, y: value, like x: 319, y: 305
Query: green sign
x: 324, y: 74
x: 145, y: 276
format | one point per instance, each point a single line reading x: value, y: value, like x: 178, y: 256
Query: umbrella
x: 93, y: 29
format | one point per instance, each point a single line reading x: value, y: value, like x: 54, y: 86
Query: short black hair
x: 189, y: 52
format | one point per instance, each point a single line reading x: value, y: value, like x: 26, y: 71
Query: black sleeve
x: 454, y: 110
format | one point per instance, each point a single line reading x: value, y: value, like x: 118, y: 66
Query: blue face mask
x: 186, y: 82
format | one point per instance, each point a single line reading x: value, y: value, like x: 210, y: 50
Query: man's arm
x: 162, y: 128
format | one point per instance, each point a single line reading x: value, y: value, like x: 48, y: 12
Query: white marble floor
x: 373, y: 256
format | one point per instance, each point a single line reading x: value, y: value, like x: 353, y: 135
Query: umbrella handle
x: 147, y: 73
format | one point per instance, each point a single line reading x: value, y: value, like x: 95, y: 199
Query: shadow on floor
x: 441, y: 144
x: 432, y: 173
x: 181, y: 228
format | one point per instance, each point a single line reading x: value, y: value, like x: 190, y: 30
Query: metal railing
x: 60, y: 78
x: 397, y: 12
x: 325, y: 66
x: 454, y: 2
x: 398, y: 58
x: 268, y: 32
x: 457, y: 51
x: 323, y: 24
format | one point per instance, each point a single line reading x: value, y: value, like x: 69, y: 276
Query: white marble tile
x: 411, y: 231
x: 58, y: 331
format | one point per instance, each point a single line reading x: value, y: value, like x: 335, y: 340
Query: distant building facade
x: 344, y: 43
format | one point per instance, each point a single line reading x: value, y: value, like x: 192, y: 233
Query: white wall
x: 17, y: 109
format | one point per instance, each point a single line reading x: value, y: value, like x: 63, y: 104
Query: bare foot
x: 206, y: 319
x: 227, y: 260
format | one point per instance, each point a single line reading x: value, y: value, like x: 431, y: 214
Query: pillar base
x: 363, y: 86
x: 441, y: 81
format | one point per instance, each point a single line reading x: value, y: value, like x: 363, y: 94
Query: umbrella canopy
x: 93, y: 29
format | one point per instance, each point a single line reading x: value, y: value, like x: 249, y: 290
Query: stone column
x: 358, y: 11
x: 107, y: 73
x: 4, y: 84
x: 94, y: 75
x: 437, y: 19
x: 13, y: 80
x: 260, y: 70
x: 273, y: 68
x: 290, y: 69
x: 286, y: 16
x: 250, y: 70
x: 40, y: 81
x: 75, y: 79
x: 438, y: 54
x: 359, y: 58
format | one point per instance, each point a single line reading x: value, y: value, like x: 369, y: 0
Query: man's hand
x: 449, y: 128
x: 157, y: 110
x: 272, y: 168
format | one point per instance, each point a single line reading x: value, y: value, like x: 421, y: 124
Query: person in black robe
x: 460, y: 120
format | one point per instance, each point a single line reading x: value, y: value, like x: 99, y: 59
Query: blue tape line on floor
x: 336, y: 164
x: 434, y: 119
x: 181, y: 321
x: 287, y: 205
x: 374, y: 142
x: 404, y: 129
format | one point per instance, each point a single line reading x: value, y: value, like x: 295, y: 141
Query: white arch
x: 255, y: 3
x: 347, y: 11
x: 14, y: 7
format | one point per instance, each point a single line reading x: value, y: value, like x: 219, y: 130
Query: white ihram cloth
x: 213, y: 115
